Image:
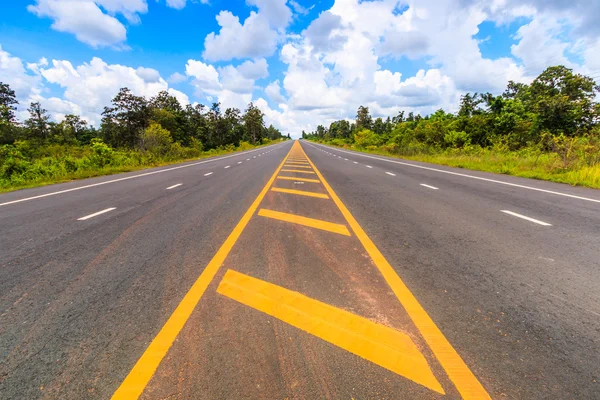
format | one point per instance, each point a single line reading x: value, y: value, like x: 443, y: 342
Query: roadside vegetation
x: 134, y: 133
x: 547, y: 130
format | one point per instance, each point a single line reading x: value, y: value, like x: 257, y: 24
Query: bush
x: 102, y: 153
x: 156, y: 139
x: 366, y: 137
x: 457, y: 139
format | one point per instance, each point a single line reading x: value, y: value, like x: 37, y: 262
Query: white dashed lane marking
x: 96, y: 214
x: 428, y: 186
x: 536, y: 221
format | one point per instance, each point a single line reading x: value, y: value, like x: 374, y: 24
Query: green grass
x: 542, y: 166
x: 52, y: 169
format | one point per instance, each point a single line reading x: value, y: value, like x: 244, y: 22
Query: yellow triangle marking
x: 297, y: 166
x: 300, y: 220
x: 300, y: 192
x: 297, y: 170
x: 293, y: 178
x: 384, y: 346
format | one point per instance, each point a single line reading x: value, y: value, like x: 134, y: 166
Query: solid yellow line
x: 459, y: 373
x: 310, y: 222
x: 300, y: 192
x: 297, y: 166
x: 377, y: 343
x: 297, y: 170
x: 292, y: 178
x: 137, y: 379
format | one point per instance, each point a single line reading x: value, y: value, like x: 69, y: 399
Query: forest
x: 549, y: 129
x: 134, y: 133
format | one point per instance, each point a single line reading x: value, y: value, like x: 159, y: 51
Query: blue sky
x: 303, y: 63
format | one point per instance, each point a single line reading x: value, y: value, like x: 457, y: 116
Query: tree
x: 398, y: 119
x: 77, y: 129
x: 363, y: 119
x: 469, y: 105
x: 379, y: 126
x: 37, y: 124
x: 564, y: 101
x: 8, y: 121
x: 515, y: 91
x: 125, y: 120
x: 253, y: 123
x: 167, y: 111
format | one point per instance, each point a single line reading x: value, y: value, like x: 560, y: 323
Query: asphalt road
x: 358, y: 277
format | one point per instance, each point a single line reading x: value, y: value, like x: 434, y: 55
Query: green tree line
x: 134, y: 132
x: 554, y: 121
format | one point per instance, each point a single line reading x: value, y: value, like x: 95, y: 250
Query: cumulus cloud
x: 410, y: 44
x: 256, y: 69
x: 231, y: 86
x: 176, y: 77
x: 252, y: 39
x: 273, y: 90
x: 88, y: 21
x: 276, y: 12
x: 321, y: 33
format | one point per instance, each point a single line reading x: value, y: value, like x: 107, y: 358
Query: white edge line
x: 174, y: 186
x: 389, y: 173
x: 475, y: 177
x: 96, y: 214
x: 122, y: 179
x: 429, y: 186
x: 537, y: 221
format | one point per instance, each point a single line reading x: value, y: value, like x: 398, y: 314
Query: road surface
x: 300, y: 271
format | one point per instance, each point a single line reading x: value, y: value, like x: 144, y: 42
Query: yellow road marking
x: 288, y: 165
x: 297, y: 163
x: 300, y: 220
x: 300, y: 192
x: 297, y: 170
x: 386, y: 347
x: 137, y: 379
x: 292, y: 178
x: 459, y: 373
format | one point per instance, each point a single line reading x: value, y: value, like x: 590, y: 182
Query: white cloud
x: 275, y: 11
x: 298, y: 8
x: 176, y: 77
x: 324, y: 32
x: 273, y: 90
x: 206, y: 77
x: 256, y: 69
x: 234, y: 81
x: 232, y: 86
x: 253, y: 39
x: 87, y: 21
x: 149, y: 75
